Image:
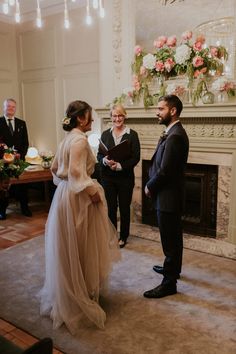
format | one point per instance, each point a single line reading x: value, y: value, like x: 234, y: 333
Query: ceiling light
x: 97, y: 6
x: 5, y: 7
x: 17, y: 13
x: 39, y: 17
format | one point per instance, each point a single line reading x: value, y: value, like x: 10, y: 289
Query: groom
x: 166, y: 188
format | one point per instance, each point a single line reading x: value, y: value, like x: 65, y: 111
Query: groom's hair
x: 173, y: 101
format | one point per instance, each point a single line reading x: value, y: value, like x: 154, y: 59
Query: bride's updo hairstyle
x: 74, y: 110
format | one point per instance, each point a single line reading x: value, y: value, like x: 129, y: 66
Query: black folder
x: 118, y: 152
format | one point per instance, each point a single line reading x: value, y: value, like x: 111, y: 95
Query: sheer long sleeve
x: 78, y: 177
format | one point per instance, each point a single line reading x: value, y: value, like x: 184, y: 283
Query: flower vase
x: 222, y: 97
x: 46, y: 164
x: 129, y: 101
x: 208, y: 97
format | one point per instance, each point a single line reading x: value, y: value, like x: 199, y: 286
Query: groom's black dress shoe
x: 161, y: 290
x: 160, y: 270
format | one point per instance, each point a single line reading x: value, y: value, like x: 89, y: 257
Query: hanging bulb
x: 95, y: 4
x: 11, y: 2
x: 73, y: 0
x: 17, y: 13
x: 66, y: 16
x: 101, y: 9
x: 88, y: 16
x: 5, y: 7
x: 39, y: 17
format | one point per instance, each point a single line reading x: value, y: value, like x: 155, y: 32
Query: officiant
x: 117, y: 175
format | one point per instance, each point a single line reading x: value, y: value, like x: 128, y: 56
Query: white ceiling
x: 48, y: 7
x: 152, y: 18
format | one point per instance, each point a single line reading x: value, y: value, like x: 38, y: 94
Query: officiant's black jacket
x: 166, y: 175
x: 19, y: 139
x: 127, y: 165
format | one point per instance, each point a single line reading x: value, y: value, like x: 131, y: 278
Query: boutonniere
x: 163, y: 137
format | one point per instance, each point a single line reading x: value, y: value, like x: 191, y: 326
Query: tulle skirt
x: 80, y: 246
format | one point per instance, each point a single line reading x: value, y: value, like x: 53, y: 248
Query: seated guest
x: 13, y: 133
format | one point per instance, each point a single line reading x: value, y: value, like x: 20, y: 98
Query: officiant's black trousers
x: 170, y: 226
x: 119, y: 192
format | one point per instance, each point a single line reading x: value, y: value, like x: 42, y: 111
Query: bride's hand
x: 95, y: 197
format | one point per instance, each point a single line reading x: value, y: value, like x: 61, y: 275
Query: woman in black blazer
x: 117, y: 177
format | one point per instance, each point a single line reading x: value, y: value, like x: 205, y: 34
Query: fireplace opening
x: 200, y: 200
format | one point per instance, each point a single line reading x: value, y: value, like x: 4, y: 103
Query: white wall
x: 8, y: 64
x: 55, y: 67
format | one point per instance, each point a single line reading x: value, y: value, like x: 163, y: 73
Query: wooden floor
x: 18, y: 228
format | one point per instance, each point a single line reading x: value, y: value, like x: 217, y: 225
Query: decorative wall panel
x: 39, y: 113
x: 37, y: 49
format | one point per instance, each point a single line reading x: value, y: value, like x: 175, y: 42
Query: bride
x: 80, y: 241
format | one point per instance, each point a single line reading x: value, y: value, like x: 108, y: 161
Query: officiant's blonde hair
x: 120, y: 108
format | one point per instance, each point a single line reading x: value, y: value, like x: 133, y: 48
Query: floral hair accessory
x: 66, y: 120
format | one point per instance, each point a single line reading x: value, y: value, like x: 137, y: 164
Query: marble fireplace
x: 212, y: 134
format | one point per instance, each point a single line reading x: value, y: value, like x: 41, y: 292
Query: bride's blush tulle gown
x: 80, y: 241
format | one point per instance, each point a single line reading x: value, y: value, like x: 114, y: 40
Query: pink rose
x: 200, y: 39
x: 160, y: 41
x: 157, y: 44
x: 159, y: 66
x: 137, y: 50
x: 163, y: 39
x: 197, y: 46
x: 143, y: 70
x: 169, y: 63
x: 214, y: 51
x: 198, y: 61
x: 199, y: 72
x: 187, y: 35
x: 136, y: 83
x: 171, y: 41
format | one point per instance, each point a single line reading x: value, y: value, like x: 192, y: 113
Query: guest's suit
x: 166, y: 186
x: 19, y: 140
x: 118, y: 185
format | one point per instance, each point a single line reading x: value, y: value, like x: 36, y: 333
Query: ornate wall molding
x: 117, y: 37
x: 212, y: 135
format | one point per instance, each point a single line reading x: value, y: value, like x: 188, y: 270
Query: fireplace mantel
x: 212, y: 134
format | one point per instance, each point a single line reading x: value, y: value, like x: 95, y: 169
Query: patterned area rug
x: 202, y: 315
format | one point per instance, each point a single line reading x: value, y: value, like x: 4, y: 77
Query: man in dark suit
x: 13, y: 133
x: 166, y: 188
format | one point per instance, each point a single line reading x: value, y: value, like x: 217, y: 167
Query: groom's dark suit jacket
x: 166, y: 174
x: 19, y: 139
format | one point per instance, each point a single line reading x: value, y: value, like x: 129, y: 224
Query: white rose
x: 182, y: 54
x: 149, y: 61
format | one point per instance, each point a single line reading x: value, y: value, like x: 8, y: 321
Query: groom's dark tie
x: 10, y: 126
x: 161, y: 139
